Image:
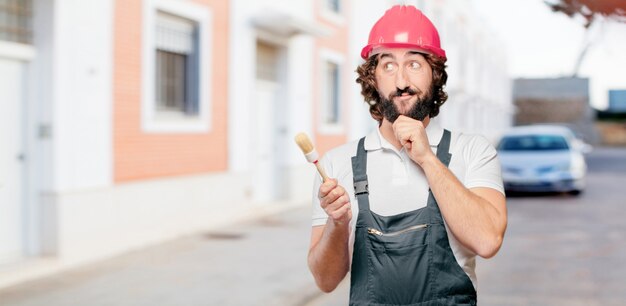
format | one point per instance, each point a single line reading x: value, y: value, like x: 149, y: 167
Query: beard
x: 422, y: 107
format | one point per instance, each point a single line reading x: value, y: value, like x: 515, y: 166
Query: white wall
x: 37, y: 113
x: 13, y: 61
x: 69, y: 112
x: 240, y: 84
x: 102, y: 222
x: 82, y: 96
x: 479, y: 85
x: 300, y: 93
x: 363, y: 16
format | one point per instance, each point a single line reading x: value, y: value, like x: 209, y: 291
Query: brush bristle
x: 304, y: 143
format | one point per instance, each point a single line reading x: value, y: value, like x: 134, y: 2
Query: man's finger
x: 339, y: 213
x: 334, y: 206
x: 334, y: 194
x: 326, y: 187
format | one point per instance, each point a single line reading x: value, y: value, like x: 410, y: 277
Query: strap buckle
x: 360, y: 187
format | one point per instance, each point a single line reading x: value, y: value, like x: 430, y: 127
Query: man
x: 411, y: 204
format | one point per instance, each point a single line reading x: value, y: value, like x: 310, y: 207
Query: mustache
x: 408, y: 90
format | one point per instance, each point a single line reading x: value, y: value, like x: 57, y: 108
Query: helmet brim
x: 369, y: 50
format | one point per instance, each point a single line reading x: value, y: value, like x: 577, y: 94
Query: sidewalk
x: 262, y: 262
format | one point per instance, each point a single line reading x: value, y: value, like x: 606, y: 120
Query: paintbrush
x: 310, y: 153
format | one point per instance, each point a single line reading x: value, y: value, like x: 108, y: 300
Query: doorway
x: 270, y: 123
x: 12, y: 218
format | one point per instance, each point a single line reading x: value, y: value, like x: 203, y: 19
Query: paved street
x: 253, y: 263
x: 559, y: 250
x: 563, y: 250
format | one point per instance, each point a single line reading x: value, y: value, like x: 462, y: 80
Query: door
x: 11, y: 198
x: 269, y: 125
x: 265, y: 187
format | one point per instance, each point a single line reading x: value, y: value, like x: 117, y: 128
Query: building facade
x: 563, y: 101
x: 128, y: 123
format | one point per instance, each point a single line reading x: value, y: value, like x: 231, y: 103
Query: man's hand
x: 335, y: 202
x: 412, y: 136
x: 329, y: 257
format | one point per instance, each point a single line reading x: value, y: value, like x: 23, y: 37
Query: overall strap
x: 359, y: 173
x: 443, y: 154
x: 443, y: 149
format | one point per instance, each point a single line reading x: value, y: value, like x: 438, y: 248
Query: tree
x: 591, y: 11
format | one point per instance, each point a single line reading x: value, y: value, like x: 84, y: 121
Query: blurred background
x: 147, y: 154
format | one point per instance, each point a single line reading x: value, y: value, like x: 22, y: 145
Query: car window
x: 533, y: 143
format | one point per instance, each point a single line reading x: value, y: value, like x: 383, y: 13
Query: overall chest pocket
x: 399, y: 265
x: 414, y: 235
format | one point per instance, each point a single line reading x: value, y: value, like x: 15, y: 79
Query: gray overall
x: 404, y: 259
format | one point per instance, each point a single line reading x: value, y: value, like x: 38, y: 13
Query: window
x: 176, y: 62
x: 16, y: 21
x: 331, y: 10
x: 533, y: 143
x: 334, y: 5
x: 331, y: 117
x: 176, y: 67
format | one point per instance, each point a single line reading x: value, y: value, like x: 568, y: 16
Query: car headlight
x: 579, y: 167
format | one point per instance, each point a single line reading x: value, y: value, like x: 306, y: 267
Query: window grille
x: 16, y: 21
x: 177, y: 71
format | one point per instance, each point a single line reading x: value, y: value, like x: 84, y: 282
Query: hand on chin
x: 412, y: 136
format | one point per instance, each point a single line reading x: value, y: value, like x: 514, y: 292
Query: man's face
x: 404, y: 80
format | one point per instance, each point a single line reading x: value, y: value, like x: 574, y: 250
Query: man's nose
x: 402, y: 81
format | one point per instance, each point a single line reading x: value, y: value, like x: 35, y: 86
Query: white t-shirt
x: 397, y: 184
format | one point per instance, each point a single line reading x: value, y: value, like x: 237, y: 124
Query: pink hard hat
x: 404, y: 26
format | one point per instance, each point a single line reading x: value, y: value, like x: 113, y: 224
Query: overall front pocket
x: 399, y: 265
x: 399, y: 276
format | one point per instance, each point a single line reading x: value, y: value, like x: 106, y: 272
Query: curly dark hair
x: 369, y: 90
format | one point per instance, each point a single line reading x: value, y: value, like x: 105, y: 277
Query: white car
x: 543, y: 158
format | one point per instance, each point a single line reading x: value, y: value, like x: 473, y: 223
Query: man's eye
x: 414, y: 65
x: 388, y: 67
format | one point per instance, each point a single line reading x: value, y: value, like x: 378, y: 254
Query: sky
x: 541, y: 43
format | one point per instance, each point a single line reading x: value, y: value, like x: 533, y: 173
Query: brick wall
x: 550, y: 110
x: 139, y: 155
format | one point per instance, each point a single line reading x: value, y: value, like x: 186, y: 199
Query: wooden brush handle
x: 322, y: 172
